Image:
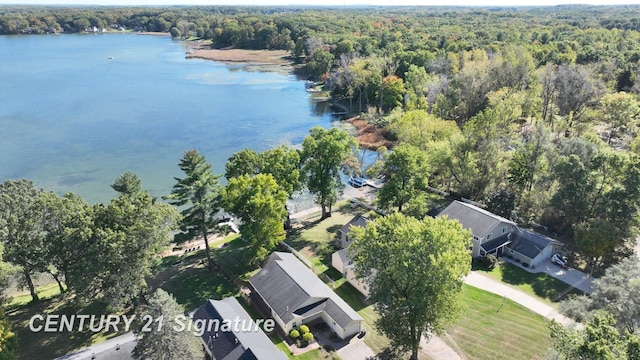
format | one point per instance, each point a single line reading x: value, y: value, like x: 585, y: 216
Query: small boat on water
x: 110, y: 58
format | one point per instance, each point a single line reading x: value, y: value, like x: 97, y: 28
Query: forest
x: 532, y: 112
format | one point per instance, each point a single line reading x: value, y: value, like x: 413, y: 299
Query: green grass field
x: 541, y: 286
x: 496, y: 328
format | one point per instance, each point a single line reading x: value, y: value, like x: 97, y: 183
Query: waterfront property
x: 341, y: 260
x: 293, y: 295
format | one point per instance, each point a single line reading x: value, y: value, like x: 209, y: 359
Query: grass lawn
x: 313, y: 237
x: 44, y: 292
x: 47, y: 345
x: 542, y: 286
x: 490, y: 330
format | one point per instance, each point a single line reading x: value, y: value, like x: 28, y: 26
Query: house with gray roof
x: 531, y: 247
x: 486, y: 228
x: 341, y: 261
x: 493, y: 234
x: 292, y: 295
x: 358, y: 221
x: 246, y: 342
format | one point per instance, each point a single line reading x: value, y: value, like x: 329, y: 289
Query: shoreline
x: 368, y: 135
x: 200, y: 50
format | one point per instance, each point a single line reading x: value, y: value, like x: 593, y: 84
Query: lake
x: 76, y: 111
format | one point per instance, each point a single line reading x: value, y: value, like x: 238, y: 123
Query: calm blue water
x: 71, y: 119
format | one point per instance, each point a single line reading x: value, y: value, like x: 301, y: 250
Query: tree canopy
x: 415, y: 270
x: 323, y: 153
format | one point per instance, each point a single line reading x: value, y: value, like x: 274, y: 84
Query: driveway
x: 356, y: 349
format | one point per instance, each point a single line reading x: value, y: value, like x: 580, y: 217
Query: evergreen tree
x: 199, y: 193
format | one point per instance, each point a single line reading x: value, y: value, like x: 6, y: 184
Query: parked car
x: 559, y: 260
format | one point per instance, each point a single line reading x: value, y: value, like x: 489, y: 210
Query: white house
x: 293, y: 295
x: 341, y: 261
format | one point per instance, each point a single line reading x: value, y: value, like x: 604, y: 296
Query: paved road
x: 531, y: 303
x: 119, y: 347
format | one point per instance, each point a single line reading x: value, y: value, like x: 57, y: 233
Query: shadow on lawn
x: 349, y: 294
x: 191, y: 282
x: 46, y: 345
x: 542, y: 284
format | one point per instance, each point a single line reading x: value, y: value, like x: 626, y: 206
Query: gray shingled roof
x: 491, y: 245
x: 289, y: 287
x: 529, y: 243
x: 249, y: 345
x: 478, y: 220
x: 358, y: 220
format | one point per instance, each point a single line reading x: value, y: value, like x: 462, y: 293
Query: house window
x: 475, y: 238
x: 510, y: 251
x: 488, y: 236
x: 504, y: 230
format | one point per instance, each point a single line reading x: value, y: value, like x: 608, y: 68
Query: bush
x: 308, y: 337
x: 517, y: 260
x: 304, y: 329
x: 525, y: 264
x: 490, y: 261
x: 294, y: 334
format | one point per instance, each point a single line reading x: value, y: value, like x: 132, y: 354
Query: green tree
x: 416, y: 82
x: 600, y: 340
x: 575, y: 90
x: 243, y: 162
x: 393, y: 88
x: 128, y: 184
x: 323, y: 153
x: 420, y: 129
x: 164, y: 340
x: 8, y: 339
x: 128, y: 234
x: 283, y: 163
x: 68, y: 225
x: 594, y: 240
x: 617, y: 292
x: 21, y: 230
x: 199, y: 195
x: 407, y: 175
x: 320, y: 63
x: 620, y: 111
x: 394, y: 255
x: 260, y: 204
